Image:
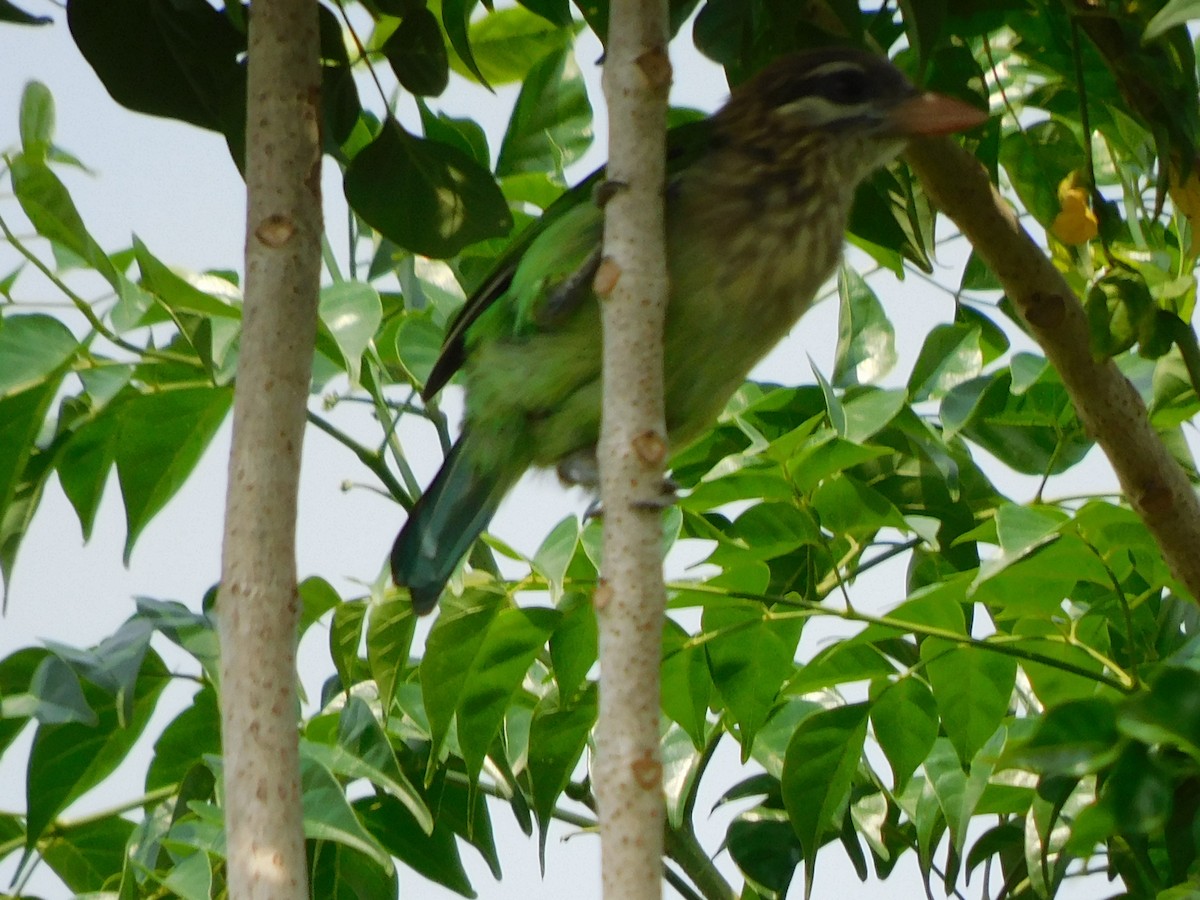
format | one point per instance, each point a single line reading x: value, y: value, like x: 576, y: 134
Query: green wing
x: 549, y: 266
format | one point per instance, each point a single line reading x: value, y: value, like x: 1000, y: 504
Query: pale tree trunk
x: 632, y: 284
x: 1108, y: 405
x: 258, y: 606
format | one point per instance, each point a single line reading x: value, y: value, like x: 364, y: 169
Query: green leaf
x: 972, y: 687
x: 556, y: 552
x: 328, y: 815
x: 1169, y: 713
x: 686, y: 684
x: 558, y: 736
x: 905, y: 721
x: 822, y: 758
x: 846, y: 505
x: 551, y: 124
x: 950, y: 355
x: 36, y: 121
x: 362, y: 751
x: 21, y: 420
x: 428, y: 197
x: 573, y: 645
x: 750, y: 655
x: 18, y: 16
x: 514, y: 637
x: 1037, y: 158
x: 555, y: 11
x: 1035, y: 432
x: 182, y: 60
x: 187, y: 739
x: 465, y: 134
x: 1173, y: 14
x: 345, y: 637
x: 52, y: 212
x: 162, y: 437
x: 763, y: 844
x: 509, y: 42
x: 456, y: 18
x: 1074, y: 739
x: 178, y: 293
x: 390, y: 628
x: 434, y: 856
x: 866, y: 348
x: 33, y: 348
x: 417, y: 55
x: 87, y: 856
x: 339, y: 872
x: 352, y: 311
x: 56, y: 695
x: 68, y: 760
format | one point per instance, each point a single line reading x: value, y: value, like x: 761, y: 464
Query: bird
x: 756, y: 204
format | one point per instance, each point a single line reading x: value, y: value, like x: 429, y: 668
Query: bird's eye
x: 846, y: 86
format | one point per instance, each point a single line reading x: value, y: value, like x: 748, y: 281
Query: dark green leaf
x: 339, y: 872
x: 427, y: 197
x: 557, y: 739
x: 456, y: 17
x: 764, y: 846
x: 551, y: 124
x: 417, y: 55
x: 11, y: 13
x: 181, y: 60
x: 434, y: 855
x: 821, y: 761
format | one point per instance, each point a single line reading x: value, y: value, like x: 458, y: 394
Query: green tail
x: 447, y: 519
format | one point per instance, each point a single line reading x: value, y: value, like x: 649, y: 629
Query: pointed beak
x: 932, y: 114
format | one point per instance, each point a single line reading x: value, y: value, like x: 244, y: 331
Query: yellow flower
x: 1075, y: 222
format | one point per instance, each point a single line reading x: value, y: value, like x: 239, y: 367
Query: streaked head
x: 849, y: 96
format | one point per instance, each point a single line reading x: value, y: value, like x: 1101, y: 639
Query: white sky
x: 174, y: 186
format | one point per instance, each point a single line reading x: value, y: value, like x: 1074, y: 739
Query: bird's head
x: 853, y: 103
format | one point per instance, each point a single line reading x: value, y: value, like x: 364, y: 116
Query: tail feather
x: 451, y: 514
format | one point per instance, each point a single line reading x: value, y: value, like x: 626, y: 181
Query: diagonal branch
x: 1108, y: 405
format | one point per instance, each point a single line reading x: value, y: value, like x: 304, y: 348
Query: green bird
x: 756, y: 206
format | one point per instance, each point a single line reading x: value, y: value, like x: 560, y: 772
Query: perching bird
x: 756, y: 208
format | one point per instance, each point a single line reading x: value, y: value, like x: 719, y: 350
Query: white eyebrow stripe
x: 832, y: 68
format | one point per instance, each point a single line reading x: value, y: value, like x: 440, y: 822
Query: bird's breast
x: 745, y: 266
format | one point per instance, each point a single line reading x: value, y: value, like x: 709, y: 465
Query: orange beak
x: 934, y: 114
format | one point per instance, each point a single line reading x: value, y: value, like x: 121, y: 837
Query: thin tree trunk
x: 632, y: 283
x: 1108, y: 405
x: 259, y: 605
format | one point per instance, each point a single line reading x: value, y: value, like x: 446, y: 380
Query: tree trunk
x: 259, y: 605
x: 630, y: 599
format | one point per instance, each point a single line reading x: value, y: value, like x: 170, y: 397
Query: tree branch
x: 1108, y: 405
x: 259, y: 606
x: 630, y: 599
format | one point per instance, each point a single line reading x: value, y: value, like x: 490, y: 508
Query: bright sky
x: 175, y: 187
